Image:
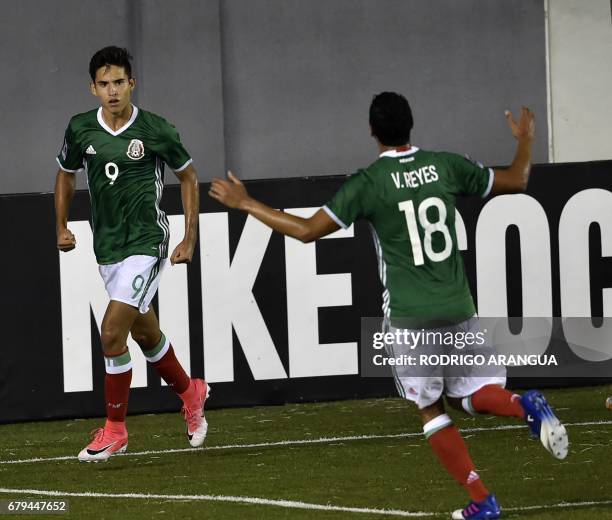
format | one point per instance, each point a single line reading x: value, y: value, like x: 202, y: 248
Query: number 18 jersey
x: 125, y: 176
x: 409, y: 199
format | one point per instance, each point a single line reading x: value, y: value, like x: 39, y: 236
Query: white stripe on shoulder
x: 66, y: 169
x: 490, y: 184
x: 333, y: 216
x: 184, y: 166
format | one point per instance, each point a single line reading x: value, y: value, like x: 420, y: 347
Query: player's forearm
x: 279, y: 221
x: 190, y: 196
x: 514, y: 178
x: 65, y: 186
x: 521, y: 165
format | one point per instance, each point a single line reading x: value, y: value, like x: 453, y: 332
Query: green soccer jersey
x: 408, y: 197
x: 125, y: 176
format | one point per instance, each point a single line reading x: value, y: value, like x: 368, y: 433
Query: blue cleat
x: 487, y: 509
x: 544, y: 425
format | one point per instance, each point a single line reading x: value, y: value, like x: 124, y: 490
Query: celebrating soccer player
x: 122, y: 150
x: 408, y: 197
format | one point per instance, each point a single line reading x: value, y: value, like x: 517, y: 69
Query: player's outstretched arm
x: 514, y: 179
x: 65, y: 185
x: 190, y: 196
x: 233, y: 194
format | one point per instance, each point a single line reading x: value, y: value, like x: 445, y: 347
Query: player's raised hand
x: 66, y: 241
x: 231, y: 192
x: 525, y: 128
x: 183, y: 253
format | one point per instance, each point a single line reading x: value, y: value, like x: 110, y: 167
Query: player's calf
x: 452, y: 452
x: 113, y: 437
x: 163, y: 358
x: 493, y: 400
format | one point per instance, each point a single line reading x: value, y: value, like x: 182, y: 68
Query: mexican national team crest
x: 135, y: 149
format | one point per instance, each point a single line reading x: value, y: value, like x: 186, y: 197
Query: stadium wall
x: 580, y: 79
x: 280, y: 88
x: 274, y: 88
x: 268, y: 320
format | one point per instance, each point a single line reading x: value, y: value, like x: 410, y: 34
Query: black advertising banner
x: 269, y: 320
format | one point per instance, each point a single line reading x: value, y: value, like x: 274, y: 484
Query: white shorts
x: 134, y: 280
x: 426, y: 390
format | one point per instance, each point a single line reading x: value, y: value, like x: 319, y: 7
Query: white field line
x: 281, y: 503
x: 222, y: 498
x: 560, y: 505
x: 320, y: 440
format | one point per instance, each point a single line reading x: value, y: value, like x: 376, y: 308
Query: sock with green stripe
x: 162, y: 357
x: 494, y: 400
x: 452, y: 452
x: 117, y: 382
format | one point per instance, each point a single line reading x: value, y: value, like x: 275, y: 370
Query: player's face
x: 114, y: 88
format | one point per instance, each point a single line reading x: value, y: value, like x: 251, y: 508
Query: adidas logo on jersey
x: 90, y: 150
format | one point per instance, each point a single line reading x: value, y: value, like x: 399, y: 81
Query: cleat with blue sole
x: 544, y: 424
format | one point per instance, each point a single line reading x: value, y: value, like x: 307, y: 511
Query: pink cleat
x: 104, y: 443
x: 194, y: 414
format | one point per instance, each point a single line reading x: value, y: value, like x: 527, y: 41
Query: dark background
x: 31, y: 383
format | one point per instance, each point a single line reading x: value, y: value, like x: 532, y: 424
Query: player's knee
x: 455, y: 402
x: 432, y: 411
x: 146, y: 339
x: 112, y: 339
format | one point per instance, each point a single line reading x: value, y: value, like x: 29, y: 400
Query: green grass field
x: 367, y: 455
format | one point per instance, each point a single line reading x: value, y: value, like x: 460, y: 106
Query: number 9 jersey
x: 125, y: 177
x: 408, y: 196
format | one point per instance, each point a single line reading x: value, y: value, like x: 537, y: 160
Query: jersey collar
x: 399, y: 152
x: 123, y: 128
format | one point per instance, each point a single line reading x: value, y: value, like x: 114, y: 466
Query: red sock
x: 452, y: 452
x: 495, y: 400
x: 116, y: 392
x: 169, y: 368
x: 118, y: 428
x: 190, y: 396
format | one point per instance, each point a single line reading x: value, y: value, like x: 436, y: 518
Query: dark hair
x: 391, y: 118
x: 110, y: 56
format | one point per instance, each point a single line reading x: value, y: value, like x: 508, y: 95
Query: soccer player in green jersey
x: 122, y: 149
x: 408, y: 197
